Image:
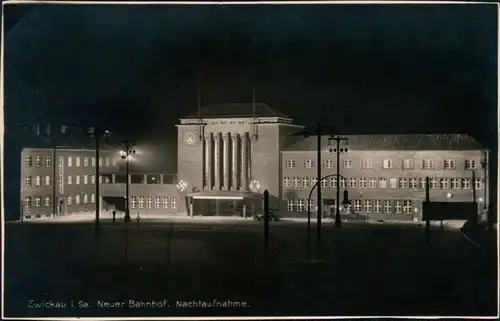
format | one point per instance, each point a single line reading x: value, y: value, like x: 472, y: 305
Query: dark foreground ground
x: 360, y: 270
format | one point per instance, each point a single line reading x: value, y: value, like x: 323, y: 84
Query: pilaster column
x: 244, y: 161
x: 208, y: 161
x: 235, y: 138
x: 217, y: 161
x: 225, y: 146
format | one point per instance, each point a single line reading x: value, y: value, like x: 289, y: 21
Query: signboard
x: 440, y: 211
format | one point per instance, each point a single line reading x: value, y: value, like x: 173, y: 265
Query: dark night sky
x: 362, y: 68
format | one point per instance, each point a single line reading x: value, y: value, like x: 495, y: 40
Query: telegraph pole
x: 126, y: 154
x: 319, y: 202
x: 97, y: 174
x: 338, y: 150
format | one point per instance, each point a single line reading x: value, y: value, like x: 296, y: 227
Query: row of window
x: 357, y: 206
x: 387, y: 163
x: 393, y: 182
x: 36, y: 201
x: 28, y: 161
x: 47, y: 180
x: 157, y: 201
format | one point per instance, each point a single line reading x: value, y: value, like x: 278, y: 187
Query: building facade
x: 228, y: 154
x: 385, y: 175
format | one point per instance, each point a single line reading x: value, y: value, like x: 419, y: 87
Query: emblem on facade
x: 254, y: 186
x: 189, y: 138
x: 182, y: 186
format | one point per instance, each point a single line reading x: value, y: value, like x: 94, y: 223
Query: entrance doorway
x: 61, y: 208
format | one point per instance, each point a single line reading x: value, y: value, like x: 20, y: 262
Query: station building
x: 228, y: 154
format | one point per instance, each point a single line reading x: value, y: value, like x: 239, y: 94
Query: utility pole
x: 97, y: 136
x: 97, y: 174
x: 338, y: 150
x: 319, y: 202
x: 126, y: 154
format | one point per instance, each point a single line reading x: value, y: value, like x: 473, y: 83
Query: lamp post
x: 126, y: 154
x: 318, y: 131
x: 345, y: 202
x: 338, y: 150
x: 97, y: 136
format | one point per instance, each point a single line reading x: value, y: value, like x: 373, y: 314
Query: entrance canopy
x: 224, y: 195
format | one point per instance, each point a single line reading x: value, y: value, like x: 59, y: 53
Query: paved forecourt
x: 379, y: 269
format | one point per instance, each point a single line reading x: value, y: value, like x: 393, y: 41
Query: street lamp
x: 338, y: 150
x: 126, y: 154
x: 317, y: 131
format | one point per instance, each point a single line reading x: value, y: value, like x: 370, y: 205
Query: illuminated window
x: 403, y: 182
x: 85, y: 162
x: 305, y: 182
x: 348, y: 163
x: 133, y: 202
x: 149, y: 202
x: 77, y: 199
x: 445, y: 183
x: 470, y: 164
x: 342, y: 182
x: 296, y: 182
x: 38, y: 161
x: 48, y: 161
x: 357, y: 206
x: 372, y: 183
x: 28, y: 161
x: 38, y: 181
x: 422, y: 183
x: 38, y: 201
x: 173, y: 202
x: 141, y: 201
x: 362, y: 182
x: 333, y: 182
x: 165, y: 201
x: 70, y: 161
x: 77, y: 179
x: 329, y: 163
x: 290, y: 205
x: 92, y: 198
x: 377, y: 206
x: 286, y: 181
x: 27, y: 181
x: 47, y: 180
x: 387, y: 163
x: 434, y: 183
x: 413, y: 183
x: 300, y: 205
x: 310, y: 163
x: 70, y: 179
x: 352, y: 182
x: 311, y: 205
x: 290, y: 163
x: 367, y: 206
x: 70, y: 200
x: 27, y: 202
x: 449, y: 164
x: 324, y: 182
x: 85, y: 199
x: 479, y: 183
x: 455, y: 183
x: 367, y: 163
x: 382, y: 183
x: 85, y: 179
x: 428, y: 164
x: 397, y: 206
x: 466, y: 183
x: 407, y: 208
x: 408, y: 163
x: 387, y: 207
x: 77, y: 161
